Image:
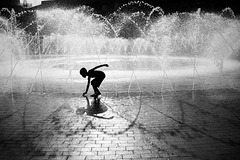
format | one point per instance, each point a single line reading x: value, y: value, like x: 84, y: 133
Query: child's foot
x: 93, y: 95
x: 98, y: 94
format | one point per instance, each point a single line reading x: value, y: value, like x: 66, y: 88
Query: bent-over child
x: 96, y: 82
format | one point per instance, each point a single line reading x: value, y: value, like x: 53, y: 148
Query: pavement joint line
x: 169, y: 148
x: 195, y: 129
x: 24, y: 106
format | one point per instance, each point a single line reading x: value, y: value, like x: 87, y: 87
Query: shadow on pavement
x: 93, y: 108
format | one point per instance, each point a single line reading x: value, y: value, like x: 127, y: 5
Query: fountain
x: 172, y: 80
x: 139, y: 41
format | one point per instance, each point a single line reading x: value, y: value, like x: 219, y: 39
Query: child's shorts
x: 98, y: 80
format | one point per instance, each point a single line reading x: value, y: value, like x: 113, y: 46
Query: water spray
x: 183, y: 34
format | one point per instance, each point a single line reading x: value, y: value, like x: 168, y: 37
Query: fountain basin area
x: 62, y: 72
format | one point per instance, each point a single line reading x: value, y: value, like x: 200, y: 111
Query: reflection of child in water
x: 93, y: 109
x: 96, y: 82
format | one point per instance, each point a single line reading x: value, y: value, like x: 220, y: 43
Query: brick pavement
x: 173, y: 125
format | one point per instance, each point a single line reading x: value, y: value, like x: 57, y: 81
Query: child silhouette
x: 96, y: 82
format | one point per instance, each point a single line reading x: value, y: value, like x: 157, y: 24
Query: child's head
x: 83, y: 72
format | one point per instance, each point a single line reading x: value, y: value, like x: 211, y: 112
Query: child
x: 96, y: 82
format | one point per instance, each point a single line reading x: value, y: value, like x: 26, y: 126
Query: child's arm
x: 87, y: 86
x: 106, y: 65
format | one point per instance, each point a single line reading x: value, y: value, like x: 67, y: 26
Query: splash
x: 135, y: 31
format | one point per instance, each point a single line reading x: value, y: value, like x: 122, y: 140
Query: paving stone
x: 170, y: 127
x: 76, y: 157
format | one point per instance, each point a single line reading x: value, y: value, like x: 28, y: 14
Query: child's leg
x: 97, y: 82
x: 97, y: 86
x: 97, y: 91
x: 94, y: 84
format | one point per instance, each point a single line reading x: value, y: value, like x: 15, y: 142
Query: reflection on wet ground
x: 203, y: 124
x: 96, y: 107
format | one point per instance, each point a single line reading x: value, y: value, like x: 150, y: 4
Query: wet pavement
x: 203, y: 124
